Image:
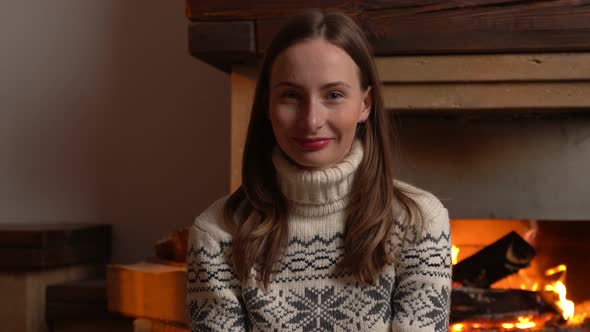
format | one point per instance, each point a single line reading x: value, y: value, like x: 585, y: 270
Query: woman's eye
x: 335, y: 95
x: 289, y: 95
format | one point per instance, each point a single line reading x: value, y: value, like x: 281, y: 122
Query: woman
x: 320, y: 237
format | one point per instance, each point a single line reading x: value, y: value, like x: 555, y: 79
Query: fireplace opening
x: 537, y: 284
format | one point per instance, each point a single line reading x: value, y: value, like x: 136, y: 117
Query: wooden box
x: 35, y: 256
x: 31, y: 246
x: 151, y: 289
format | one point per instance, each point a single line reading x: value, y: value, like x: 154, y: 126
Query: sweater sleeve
x: 213, y: 291
x: 421, y: 299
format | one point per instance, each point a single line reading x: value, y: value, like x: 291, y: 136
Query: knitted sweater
x: 308, y: 293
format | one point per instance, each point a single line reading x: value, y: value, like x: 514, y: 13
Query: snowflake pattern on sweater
x: 308, y: 293
x: 332, y: 301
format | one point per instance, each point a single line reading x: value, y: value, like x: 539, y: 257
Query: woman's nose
x: 313, y: 115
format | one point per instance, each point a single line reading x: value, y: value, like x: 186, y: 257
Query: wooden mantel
x: 236, y: 31
x: 433, y: 56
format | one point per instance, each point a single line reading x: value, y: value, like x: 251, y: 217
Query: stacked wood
x: 151, y: 289
x: 34, y: 256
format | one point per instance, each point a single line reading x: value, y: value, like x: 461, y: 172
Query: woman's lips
x: 312, y: 144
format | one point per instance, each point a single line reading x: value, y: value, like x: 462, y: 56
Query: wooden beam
x: 419, y: 27
x: 574, y: 96
x: 251, y: 9
x: 223, y: 43
x: 484, y: 68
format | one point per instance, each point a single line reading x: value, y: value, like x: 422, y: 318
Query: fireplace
x: 493, y: 104
x: 498, y: 173
x: 556, y: 295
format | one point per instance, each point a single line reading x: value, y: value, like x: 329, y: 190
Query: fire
x: 548, y: 283
x: 455, y: 254
x: 555, y: 283
x: 457, y: 327
x: 567, y: 307
x: 579, y: 317
x: 523, y: 323
x: 555, y: 270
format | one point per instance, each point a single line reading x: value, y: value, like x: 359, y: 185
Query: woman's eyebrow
x: 289, y: 84
x: 333, y: 84
x: 323, y: 87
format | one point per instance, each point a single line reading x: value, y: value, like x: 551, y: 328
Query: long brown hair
x: 257, y: 212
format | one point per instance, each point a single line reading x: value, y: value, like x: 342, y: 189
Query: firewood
x: 494, y: 262
x: 498, y: 305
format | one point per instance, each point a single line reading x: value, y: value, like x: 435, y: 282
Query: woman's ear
x: 366, y: 104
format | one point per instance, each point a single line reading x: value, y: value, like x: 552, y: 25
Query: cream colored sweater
x: 308, y: 293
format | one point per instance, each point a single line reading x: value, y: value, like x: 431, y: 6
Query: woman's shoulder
x: 211, y: 221
x: 433, y: 210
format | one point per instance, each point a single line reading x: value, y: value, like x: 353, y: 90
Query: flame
x: 457, y: 327
x: 578, y: 319
x: 525, y: 323
x: 567, y: 307
x: 507, y: 325
x: 557, y: 269
x: 455, y: 253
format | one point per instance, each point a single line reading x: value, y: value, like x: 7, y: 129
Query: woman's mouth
x: 313, y: 144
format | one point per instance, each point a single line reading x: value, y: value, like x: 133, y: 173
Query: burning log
x: 494, y: 262
x: 479, y: 304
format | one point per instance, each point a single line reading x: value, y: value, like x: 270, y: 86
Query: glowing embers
x: 523, y: 323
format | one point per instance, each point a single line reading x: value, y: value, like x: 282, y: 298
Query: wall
x: 527, y: 167
x: 104, y: 117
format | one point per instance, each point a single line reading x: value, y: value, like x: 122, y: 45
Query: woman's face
x: 316, y: 102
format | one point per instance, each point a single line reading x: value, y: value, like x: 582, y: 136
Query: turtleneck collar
x: 317, y: 192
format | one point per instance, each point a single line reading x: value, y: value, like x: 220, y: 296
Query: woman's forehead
x: 314, y: 62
